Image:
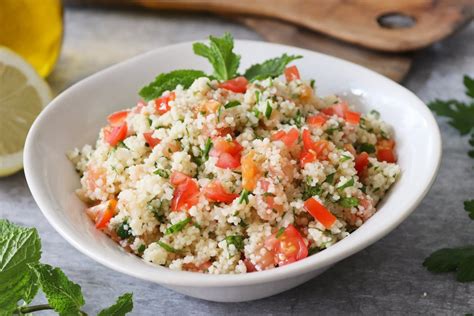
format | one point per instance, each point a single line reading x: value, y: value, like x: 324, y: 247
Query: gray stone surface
x: 386, y: 278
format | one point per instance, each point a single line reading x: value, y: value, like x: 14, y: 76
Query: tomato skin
x: 288, y: 138
x: 162, y: 103
x: 115, y: 134
x: 319, y: 212
x: 307, y: 140
x: 152, y: 141
x: 117, y: 118
x: 231, y: 147
x: 288, y: 247
x: 312, y: 150
x: 385, y: 150
x: 228, y: 153
x: 361, y: 162
x: 186, y: 192
x: 237, y: 85
x: 307, y: 156
x: 352, y: 117
x: 102, y: 214
x: 292, y: 73
x: 250, y: 171
x: 317, y: 120
x: 214, y: 191
x: 250, y: 267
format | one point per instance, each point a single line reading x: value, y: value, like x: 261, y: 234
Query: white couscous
x: 236, y: 175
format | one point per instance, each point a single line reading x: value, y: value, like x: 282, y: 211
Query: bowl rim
x: 192, y: 279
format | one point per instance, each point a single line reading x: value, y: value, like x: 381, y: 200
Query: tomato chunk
x: 117, y: 118
x: 352, y: 117
x: 237, y: 85
x: 317, y: 120
x: 319, y: 212
x: 228, y: 153
x: 186, y: 192
x: 385, y: 150
x: 307, y: 156
x: 288, y: 138
x: 152, y: 141
x: 361, y: 161
x: 291, y: 73
x: 287, y: 247
x: 214, y: 191
x: 162, y: 103
x: 250, y: 171
x: 313, y: 150
x: 102, y: 213
x: 115, y: 134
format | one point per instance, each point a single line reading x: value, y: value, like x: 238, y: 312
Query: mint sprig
x: 270, y: 68
x: 22, y: 275
x: 122, y: 306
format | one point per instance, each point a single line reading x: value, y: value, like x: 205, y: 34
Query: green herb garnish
x: 345, y: 158
x: 280, y: 232
x: 368, y: 148
x: 168, y: 247
x: 330, y: 178
x: 162, y: 173
x: 298, y: 118
x: 349, y: 202
x: 311, y: 83
x: 347, y: 184
x: 141, y: 249
x: 270, y: 68
x: 124, y: 231
x: 179, y: 226
x: 236, y: 240
x: 268, y: 110
x: 313, y: 250
x: 310, y: 191
x: 257, y: 96
x: 244, y: 197
x: 207, y: 149
x: 231, y: 104
x: 459, y: 260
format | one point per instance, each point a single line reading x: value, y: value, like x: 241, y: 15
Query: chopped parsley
x: 280, y: 232
x: 330, y: 178
x: 244, y: 197
x: 236, y: 240
x: 310, y: 191
x: 207, y: 149
x: 231, y: 104
x: 168, y: 247
x: 298, y: 118
x: 257, y: 96
x: 348, y: 202
x: 347, y: 184
x: 124, y: 231
x: 268, y: 110
x: 162, y: 173
x: 375, y: 113
x: 141, y: 249
x: 345, y: 158
x: 368, y: 148
x: 313, y: 250
x: 179, y: 226
x: 159, y: 208
x: 311, y: 83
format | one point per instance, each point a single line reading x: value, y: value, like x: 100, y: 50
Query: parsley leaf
x: 269, y: 68
x: 348, y: 202
x: 221, y: 56
x: 236, y: 240
x: 268, y: 110
x: 244, y: 197
x: 459, y: 260
x: 469, y: 84
x: 167, y: 247
x: 280, y: 232
x: 169, y: 81
x: 63, y: 295
x: 162, y: 173
x: 469, y: 207
x: 179, y: 226
x: 122, y: 306
x: 19, y: 247
x: 347, y: 184
x: 207, y: 149
x: 231, y: 104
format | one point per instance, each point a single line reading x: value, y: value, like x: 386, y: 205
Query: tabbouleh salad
x: 234, y: 173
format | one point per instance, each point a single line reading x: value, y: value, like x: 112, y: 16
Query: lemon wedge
x: 23, y: 94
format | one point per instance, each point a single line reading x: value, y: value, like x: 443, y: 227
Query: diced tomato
x: 307, y: 156
x: 317, y: 120
x: 319, y: 212
x: 385, y: 150
x: 178, y: 178
x: 228, y: 153
x: 352, y: 117
x: 292, y: 73
x: 152, y: 141
x: 248, y: 264
x: 250, y: 172
x: 313, y: 150
x: 214, y: 191
x: 223, y: 131
x: 307, y: 140
x: 237, y: 85
x: 102, y: 214
x: 162, y: 103
x: 288, y: 138
x: 288, y: 247
x: 269, y: 199
x: 186, y: 192
x: 117, y: 118
x: 361, y: 161
x: 115, y: 134
x: 197, y: 268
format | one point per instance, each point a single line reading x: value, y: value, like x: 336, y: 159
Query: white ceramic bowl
x: 74, y: 118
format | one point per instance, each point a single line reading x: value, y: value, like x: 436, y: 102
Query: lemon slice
x: 23, y: 94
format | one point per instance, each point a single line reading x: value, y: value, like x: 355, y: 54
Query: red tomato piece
x: 288, y: 247
x: 186, y: 192
x: 352, y: 117
x: 102, y: 214
x: 115, y: 134
x: 307, y: 140
x: 288, y: 138
x: 228, y: 153
x: 292, y: 73
x: 307, y: 156
x: 319, y: 212
x: 230, y: 147
x: 214, y: 191
x: 250, y: 267
x: 317, y: 120
x: 338, y: 109
x: 387, y: 155
x: 312, y: 148
x: 237, y: 85
x: 117, y: 118
x: 152, y: 141
x: 361, y: 161
x: 162, y: 103
x: 227, y: 161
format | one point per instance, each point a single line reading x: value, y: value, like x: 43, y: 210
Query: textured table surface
x: 385, y: 278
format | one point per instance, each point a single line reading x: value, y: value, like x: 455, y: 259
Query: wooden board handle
x: 395, y: 26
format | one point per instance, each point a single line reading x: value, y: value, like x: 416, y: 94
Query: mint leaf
x: 269, y: 68
x: 469, y: 207
x: 122, y: 306
x: 461, y: 114
x: 63, y: 295
x: 169, y: 81
x: 469, y: 84
x: 459, y: 260
x: 19, y: 246
x: 221, y: 56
